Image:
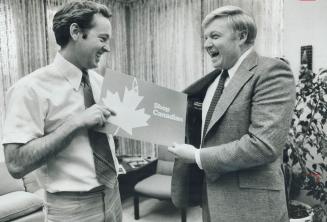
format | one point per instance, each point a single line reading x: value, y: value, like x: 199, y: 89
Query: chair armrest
x: 17, y: 204
x: 7, y: 183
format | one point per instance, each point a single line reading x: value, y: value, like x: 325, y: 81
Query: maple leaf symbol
x: 127, y: 117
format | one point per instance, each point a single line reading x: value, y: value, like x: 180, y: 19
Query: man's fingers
x: 171, y: 149
x: 108, y: 111
x: 112, y: 112
x: 101, y: 121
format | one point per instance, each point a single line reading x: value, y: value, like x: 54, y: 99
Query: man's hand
x: 185, y: 152
x: 96, y: 115
x: 24, y: 158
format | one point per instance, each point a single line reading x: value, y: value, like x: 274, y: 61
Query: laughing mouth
x: 98, y: 56
x: 213, y: 53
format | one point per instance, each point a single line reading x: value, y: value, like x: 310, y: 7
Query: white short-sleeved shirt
x: 37, y: 105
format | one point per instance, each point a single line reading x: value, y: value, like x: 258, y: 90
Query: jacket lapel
x: 242, y: 75
x: 199, y: 87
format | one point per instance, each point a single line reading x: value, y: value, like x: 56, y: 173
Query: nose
x: 207, y: 43
x: 106, y: 48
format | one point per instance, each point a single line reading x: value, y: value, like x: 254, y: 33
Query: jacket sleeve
x: 272, y: 102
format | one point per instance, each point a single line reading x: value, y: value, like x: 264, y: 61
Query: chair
x: 17, y: 202
x: 157, y: 185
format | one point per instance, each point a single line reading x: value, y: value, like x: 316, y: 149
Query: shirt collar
x: 232, y: 70
x: 68, y: 71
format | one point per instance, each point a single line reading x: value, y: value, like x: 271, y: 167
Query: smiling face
x: 93, y: 43
x: 222, y: 43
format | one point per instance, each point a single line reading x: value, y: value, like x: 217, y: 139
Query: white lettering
x: 167, y: 116
x: 161, y: 107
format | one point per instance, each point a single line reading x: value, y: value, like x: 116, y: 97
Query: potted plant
x: 305, y: 150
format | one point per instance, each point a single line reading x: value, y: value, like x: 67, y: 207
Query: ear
x: 243, y: 36
x: 74, y: 31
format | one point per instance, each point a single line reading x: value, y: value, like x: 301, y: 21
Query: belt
x: 80, y: 193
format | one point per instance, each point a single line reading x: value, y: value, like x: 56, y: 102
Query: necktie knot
x: 224, y: 75
x: 85, y: 79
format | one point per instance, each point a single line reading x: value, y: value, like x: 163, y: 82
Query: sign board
x: 145, y: 111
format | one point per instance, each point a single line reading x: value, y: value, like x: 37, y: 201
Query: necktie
x: 103, y: 160
x: 214, y: 101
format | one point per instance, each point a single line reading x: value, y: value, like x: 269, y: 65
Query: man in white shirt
x: 237, y: 122
x: 50, y: 116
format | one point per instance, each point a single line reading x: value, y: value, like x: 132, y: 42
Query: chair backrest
x: 7, y: 183
x: 165, y: 161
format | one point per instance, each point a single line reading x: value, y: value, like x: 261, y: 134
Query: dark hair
x: 77, y: 12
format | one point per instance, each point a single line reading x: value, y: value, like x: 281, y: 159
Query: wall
x: 1, y: 154
x: 305, y: 23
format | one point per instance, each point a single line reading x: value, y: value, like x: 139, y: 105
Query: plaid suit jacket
x: 242, y: 150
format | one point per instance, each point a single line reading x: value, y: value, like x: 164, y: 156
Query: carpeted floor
x: 153, y: 210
